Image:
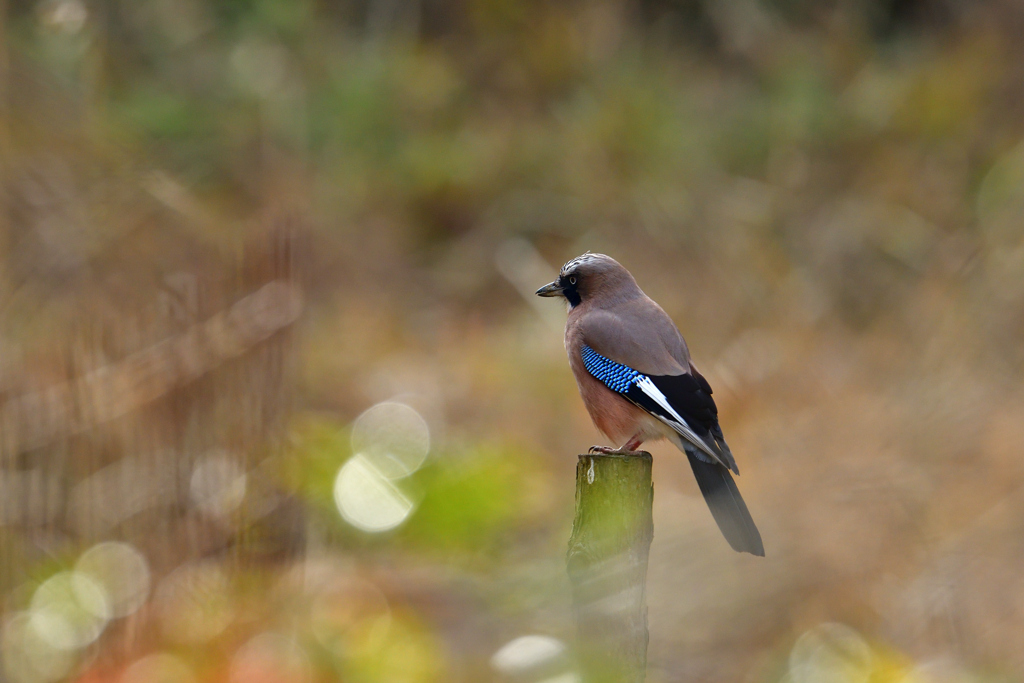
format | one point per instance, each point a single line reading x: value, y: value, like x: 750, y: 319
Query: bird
x: 638, y: 383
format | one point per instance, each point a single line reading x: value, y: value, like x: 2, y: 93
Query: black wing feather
x: 727, y: 506
x: 690, y: 396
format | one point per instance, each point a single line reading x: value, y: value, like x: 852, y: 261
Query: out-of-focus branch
x: 35, y: 419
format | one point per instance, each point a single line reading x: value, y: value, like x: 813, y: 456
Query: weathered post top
x: 607, y: 564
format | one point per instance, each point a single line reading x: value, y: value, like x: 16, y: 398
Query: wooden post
x: 607, y: 563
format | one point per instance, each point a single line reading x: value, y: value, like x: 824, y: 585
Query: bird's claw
x: 605, y: 450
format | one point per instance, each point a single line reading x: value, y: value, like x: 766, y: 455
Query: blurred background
x: 277, y: 402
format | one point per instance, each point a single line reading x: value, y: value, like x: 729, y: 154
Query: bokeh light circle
x: 830, y: 653
x: 158, y: 668
x: 367, y: 499
x: 393, y: 437
x: 218, y: 485
x: 70, y: 610
x: 123, y: 573
x: 527, y: 653
x: 27, y: 656
x: 270, y: 658
x: 194, y: 603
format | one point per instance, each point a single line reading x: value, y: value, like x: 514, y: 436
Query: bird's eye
x: 572, y: 279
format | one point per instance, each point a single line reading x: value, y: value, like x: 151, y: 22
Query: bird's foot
x: 605, y: 450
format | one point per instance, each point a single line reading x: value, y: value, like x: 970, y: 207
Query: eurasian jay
x: 638, y: 383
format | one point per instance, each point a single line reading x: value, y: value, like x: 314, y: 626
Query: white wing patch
x: 677, y: 423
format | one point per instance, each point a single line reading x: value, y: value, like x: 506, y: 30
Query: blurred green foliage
x: 476, y: 502
x: 469, y: 505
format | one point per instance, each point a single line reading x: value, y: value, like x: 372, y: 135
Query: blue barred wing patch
x: 615, y: 376
x: 641, y: 391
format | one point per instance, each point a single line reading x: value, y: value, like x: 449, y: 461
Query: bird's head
x: 589, y: 276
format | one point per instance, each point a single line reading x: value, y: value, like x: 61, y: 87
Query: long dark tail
x: 727, y: 506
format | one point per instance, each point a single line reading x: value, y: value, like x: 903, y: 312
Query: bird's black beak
x: 553, y: 289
